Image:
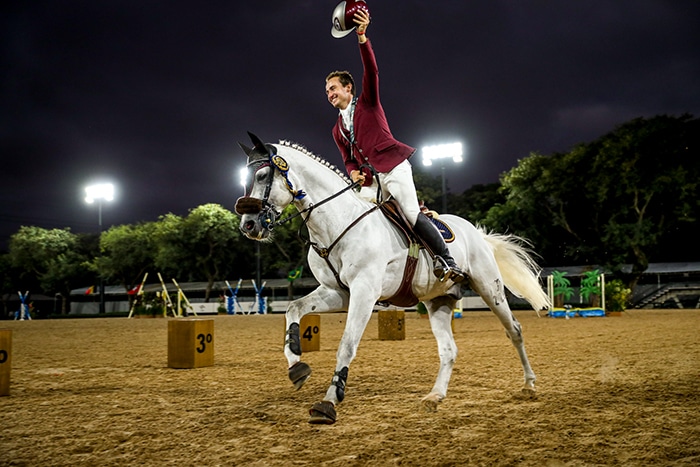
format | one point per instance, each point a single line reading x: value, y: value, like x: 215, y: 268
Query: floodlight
x: 100, y: 191
x: 442, y: 151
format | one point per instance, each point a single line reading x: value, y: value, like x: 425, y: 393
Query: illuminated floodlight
x: 98, y: 192
x: 442, y: 151
x: 243, y: 173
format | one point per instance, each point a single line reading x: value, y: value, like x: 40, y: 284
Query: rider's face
x: 338, y: 95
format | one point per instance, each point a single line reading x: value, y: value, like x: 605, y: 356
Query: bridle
x: 267, y: 213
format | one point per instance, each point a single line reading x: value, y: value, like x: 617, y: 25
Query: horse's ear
x: 257, y: 143
x: 245, y: 148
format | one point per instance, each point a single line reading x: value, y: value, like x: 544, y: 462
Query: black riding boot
x: 444, y: 266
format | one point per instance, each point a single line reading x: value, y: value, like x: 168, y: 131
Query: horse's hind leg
x: 440, y: 311
x: 320, y: 300
x: 494, y: 296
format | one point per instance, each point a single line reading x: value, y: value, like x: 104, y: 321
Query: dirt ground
x: 611, y: 391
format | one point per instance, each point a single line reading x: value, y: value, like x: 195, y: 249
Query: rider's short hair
x: 344, y: 77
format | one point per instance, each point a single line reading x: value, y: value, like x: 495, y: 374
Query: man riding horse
x: 373, y: 156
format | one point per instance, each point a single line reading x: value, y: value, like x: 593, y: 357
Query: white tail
x: 519, y: 271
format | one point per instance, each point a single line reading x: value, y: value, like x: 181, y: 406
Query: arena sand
x: 611, y: 391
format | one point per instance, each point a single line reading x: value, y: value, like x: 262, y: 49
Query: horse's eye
x: 261, y: 175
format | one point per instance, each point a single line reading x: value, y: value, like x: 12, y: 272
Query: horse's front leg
x: 440, y: 312
x: 362, y: 300
x: 320, y: 300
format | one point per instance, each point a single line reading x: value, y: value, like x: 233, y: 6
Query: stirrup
x: 440, y: 268
x: 444, y: 271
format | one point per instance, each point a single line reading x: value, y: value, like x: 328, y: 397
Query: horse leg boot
x: 444, y: 266
x: 299, y: 372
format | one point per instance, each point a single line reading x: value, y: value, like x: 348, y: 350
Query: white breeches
x: 398, y: 182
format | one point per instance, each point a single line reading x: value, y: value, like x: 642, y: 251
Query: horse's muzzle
x: 251, y: 228
x: 257, y: 219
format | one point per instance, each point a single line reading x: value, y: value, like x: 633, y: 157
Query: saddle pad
x: 444, y: 229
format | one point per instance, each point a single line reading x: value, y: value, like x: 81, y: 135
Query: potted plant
x: 562, y: 288
x: 590, y: 288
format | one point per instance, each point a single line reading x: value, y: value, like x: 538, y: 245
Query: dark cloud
x: 155, y: 96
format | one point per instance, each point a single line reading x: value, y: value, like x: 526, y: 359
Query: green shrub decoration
x: 617, y: 295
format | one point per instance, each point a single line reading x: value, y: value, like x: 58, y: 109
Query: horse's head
x: 268, y: 189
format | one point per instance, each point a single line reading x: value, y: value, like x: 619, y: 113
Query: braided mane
x: 316, y: 158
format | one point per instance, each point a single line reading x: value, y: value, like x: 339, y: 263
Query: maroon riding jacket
x: 374, y: 142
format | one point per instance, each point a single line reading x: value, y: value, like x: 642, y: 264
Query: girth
x: 404, y: 296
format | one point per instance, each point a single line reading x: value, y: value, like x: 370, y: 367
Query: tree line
x: 630, y: 197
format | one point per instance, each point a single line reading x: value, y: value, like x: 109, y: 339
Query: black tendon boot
x: 444, y: 266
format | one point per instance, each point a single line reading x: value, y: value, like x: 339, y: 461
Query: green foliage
x: 562, y: 285
x: 474, y: 203
x: 590, y: 284
x: 205, y: 244
x: 55, y: 258
x: 128, y: 252
x: 623, y: 198
x: 617, y: 295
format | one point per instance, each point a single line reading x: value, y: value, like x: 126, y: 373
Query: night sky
x: 154, y: 96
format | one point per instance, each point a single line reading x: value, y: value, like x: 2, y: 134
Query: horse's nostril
x: 249, y: 226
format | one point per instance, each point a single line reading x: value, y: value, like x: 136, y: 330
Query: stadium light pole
x: 244, y: 178
x: 441, y: 152
x: 100, y: 193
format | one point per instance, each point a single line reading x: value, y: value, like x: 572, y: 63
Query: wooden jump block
x: 392, y: 325
x: 5, y: 361
x: 310, y: 333
x: 190, y: 343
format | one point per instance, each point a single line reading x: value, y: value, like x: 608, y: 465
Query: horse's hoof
x: 299, y: 373
x: 528, y: 392
x: 322, y: 413
x: 430, y: 402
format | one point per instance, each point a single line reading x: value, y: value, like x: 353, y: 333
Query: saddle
x: 404, y: 297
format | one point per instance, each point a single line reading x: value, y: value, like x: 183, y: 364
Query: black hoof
x: 299, y: 373
x: 322, y: 413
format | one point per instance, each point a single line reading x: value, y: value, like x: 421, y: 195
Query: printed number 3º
x: 203, y: 341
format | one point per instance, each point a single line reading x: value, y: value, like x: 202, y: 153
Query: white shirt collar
x: 347, y: 114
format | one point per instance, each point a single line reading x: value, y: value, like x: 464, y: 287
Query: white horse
x: 358, y: 257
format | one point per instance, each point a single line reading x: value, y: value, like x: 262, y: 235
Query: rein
x: 313, y: 206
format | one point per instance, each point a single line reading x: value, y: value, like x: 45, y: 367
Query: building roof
x: 219, y: 286
x: 653, y: 268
